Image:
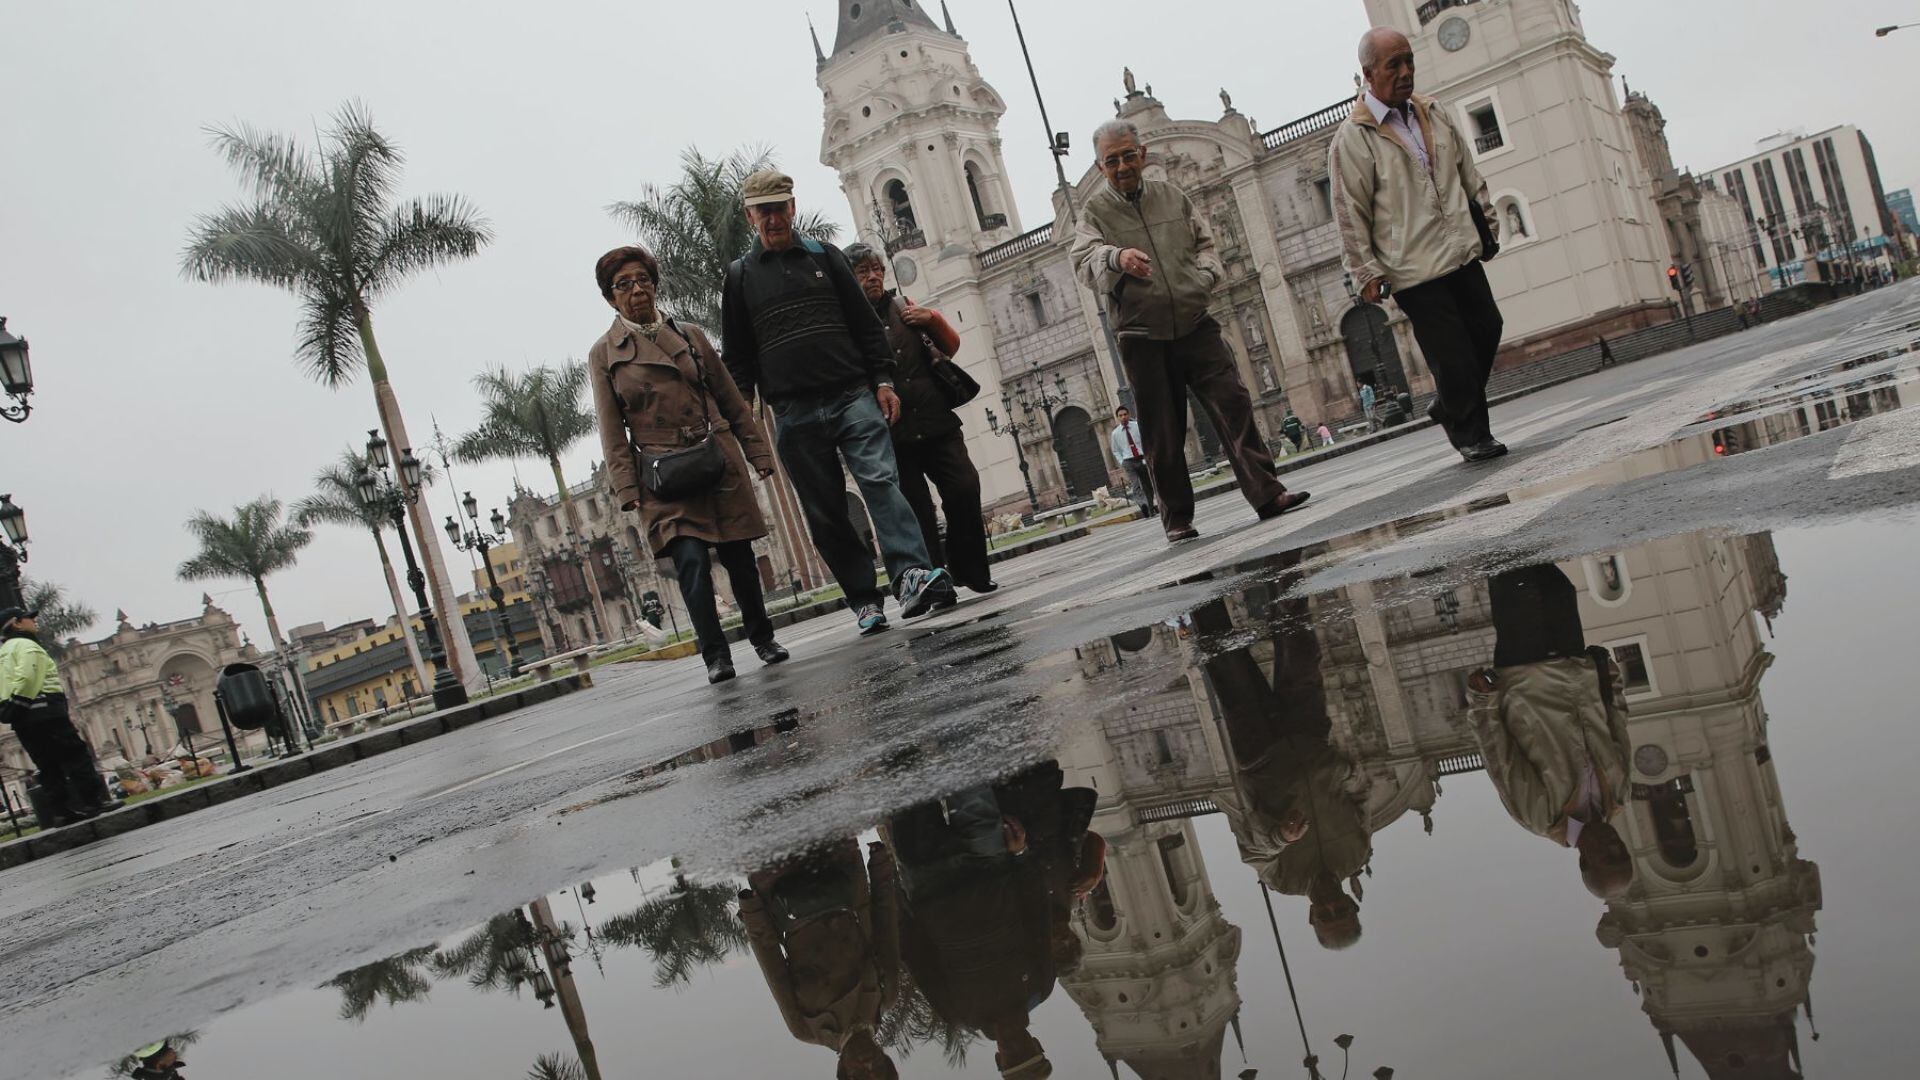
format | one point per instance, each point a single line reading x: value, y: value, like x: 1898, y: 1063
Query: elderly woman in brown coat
x: 659, y: 386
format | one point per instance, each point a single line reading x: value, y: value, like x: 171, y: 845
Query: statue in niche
x: 1516, y: 226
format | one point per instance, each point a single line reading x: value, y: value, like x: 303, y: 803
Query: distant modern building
x: 1812, y: 197
x: 1901, y: 204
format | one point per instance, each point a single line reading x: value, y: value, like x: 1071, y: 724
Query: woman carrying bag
x: 678, y: 439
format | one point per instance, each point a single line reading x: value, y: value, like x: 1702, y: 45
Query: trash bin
x: 243, y: 693
x: 1391, y: 414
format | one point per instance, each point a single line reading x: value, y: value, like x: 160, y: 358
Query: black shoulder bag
x: 955, y: 385
x: 676, y: 474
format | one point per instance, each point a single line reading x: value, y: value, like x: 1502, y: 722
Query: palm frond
x: 424, y: 233
x: 329, y: 337
x: 273, y: 167
x: 556, y: 1067
x: 252, y: 243
x: 60, y: 617
x: 250, y: 545
x: 535, y: 413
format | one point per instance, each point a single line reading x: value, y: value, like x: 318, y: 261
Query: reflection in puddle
x: 1597, y: 722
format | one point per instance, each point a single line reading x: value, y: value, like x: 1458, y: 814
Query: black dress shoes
x: 1285, y: 502
x: 772, y: 653
x: 1485, y: 451
x: 719, y: 671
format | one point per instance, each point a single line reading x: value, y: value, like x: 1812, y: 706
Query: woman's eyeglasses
x: 628, y: 284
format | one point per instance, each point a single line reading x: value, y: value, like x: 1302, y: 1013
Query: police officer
x: 34, y: 705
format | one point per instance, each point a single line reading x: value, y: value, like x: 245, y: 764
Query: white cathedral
x: 912, y: 128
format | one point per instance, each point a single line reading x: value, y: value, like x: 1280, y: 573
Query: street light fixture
x: 482, y: 541
x: 13, y: 551
x: 1885, y: 30
x: 379, y: 490
x: 16, y: 374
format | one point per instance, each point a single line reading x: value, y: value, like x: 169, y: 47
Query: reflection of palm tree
x: 913, y: 1021
x: 555, y: 1067
x: 692, y: 926
x: 397, y: 978
x: 494, y: 957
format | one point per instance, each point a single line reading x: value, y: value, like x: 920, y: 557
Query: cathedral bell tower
x: 914, y: 132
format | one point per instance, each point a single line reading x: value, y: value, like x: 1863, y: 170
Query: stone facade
x: 912, y: 128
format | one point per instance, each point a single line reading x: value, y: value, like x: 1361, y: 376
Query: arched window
x: 901, y: 206
x: 1175, y: 864
x: 1100, y: 907
x: 973, y: 190
x: 1673, y: 826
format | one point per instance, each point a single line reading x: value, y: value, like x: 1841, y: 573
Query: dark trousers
x: 1536, y: 616
x: 1458, y: 327
x: 64, y: 762
x: 813, y: 437
x: 942, y: 461
x: 1161, y: 373
x: 693, y: 563
x: 1142, y: 481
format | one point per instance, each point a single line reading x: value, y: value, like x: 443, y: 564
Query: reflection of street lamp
x: 16, y: 374
x: 483, y: 541
x: 378, y: 489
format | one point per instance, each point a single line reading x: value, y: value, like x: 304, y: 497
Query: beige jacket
x: 1163, y: 223
x: 1397, y: 220
x: 1538, y: 729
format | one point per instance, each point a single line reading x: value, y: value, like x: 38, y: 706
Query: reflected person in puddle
x: 1551, y: 720
x: 825, y: 930
x: 988, y: 877
x: 1298, y: 805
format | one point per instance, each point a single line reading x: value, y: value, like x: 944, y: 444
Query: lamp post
x: 1885, y: 30
x: 1015, y: 429
x: 482, y: 541
x: 1038, y: 405
x: 377, y: 488
x: 13, y: 551
x: 16, y: 375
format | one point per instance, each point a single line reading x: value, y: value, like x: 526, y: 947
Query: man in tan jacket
x: 1148, y: 255
x: 1404, y: 192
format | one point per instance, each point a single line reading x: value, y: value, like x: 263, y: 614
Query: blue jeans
x: 813, y: 436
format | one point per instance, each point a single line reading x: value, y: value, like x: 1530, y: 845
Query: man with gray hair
x: 1414, y: 222
x: 1148, y: 254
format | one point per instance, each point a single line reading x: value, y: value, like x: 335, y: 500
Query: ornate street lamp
x: 377, y: 489
x: 482, y: 541
x: 13, y: 551
x: 1015, y: 429
x: 16, y: 374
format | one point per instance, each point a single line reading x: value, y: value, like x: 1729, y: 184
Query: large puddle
x: 1275, y: 821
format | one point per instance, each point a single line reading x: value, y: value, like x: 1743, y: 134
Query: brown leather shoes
x: 1180, y: 533
x: 1287, y: 501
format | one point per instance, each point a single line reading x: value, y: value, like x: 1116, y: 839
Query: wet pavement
x: 1174, y: 813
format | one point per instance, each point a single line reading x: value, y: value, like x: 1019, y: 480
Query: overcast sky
x: 158, y: 396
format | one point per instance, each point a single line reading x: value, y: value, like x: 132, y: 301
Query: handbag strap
x: 699, y: 371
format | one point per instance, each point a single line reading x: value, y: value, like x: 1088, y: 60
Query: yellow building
x: 508, y: 566
x: 373, y: 672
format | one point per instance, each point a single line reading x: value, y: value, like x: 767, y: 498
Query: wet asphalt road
x: 163, y: 928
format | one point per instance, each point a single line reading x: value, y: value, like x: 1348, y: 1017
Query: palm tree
x: 60, y: 618
x: 913, y: 1021
x: 695, y: 227
x: 494, y: 957
x: 324, y: 224
x: 250, y: 545
x: 337, y: 501
x: 693, y: 925
x: 396, y: 979
x: 538, y: 414
x: 555, y: 1067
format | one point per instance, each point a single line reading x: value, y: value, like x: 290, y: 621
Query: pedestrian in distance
x: 928, y: 444
x: 1606, y: 352
x: 34, y: 704
x: 1295, y: 431
x: 802, y: 335
x: 1366, y: 406
x: 1129, y: 450
x: 1413, y: 220
x: 1148, y: 254
x: 668, y: 410
x: 1326, y: 435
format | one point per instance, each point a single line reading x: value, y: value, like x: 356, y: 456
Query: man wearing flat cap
x: 799, y: 331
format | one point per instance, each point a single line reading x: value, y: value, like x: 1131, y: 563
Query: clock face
x: 905, y: 270
x: 1651, y: 760
x: 1454, y: 34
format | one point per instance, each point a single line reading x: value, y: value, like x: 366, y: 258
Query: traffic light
x: 1686, y: 274
x: 1673, y: 277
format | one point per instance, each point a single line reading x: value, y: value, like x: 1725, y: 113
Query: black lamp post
x: 13, y: 551
x: 1015, y: 429
x: 1038, y: 406
x: 377, y: 489
x: 16, y: 374
x: 482, y: 541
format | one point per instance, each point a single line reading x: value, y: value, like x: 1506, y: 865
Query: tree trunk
x: 440, y: 593
x: 422, y: 674
x: 560, y: 969
x: 586, y: 553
